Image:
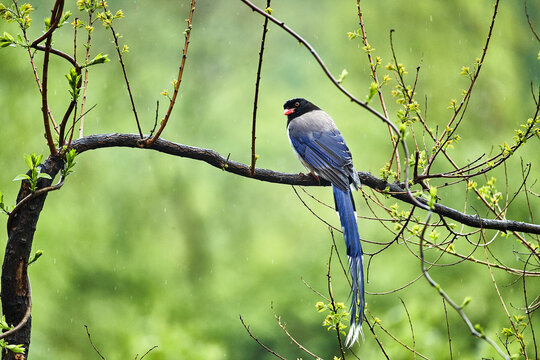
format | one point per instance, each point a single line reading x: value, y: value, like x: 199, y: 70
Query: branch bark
x: 21, y: 229
x: 213, y: 158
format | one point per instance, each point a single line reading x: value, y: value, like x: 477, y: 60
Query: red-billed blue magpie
x: 320, y: 147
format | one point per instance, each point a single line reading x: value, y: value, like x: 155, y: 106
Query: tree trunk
x: 21, y: 227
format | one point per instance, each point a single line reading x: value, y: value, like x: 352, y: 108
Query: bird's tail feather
x: 347, y: 215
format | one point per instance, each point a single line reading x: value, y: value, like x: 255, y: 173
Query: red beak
x: 288, y: 111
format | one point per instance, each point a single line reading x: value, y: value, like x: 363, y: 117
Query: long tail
x: 347, y: 215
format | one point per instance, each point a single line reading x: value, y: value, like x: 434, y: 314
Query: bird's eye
x: 297, y: 104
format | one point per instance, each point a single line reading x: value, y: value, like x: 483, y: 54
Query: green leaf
x: 99, y: 59
x: 342, y: 76
x: 69, y: 162
x: 6, y: 40
x: 479, y: 328
x: 3, y: 323
x: 44, y: 176
x: 18, y: 349
x: 21, y: 177
x: 372, y: 91
x: 73, y: 80
x: 65, y: 16
x: 36, y: 256
x: 37, y: 159
x: 28, y: 161
x: 432, y: 197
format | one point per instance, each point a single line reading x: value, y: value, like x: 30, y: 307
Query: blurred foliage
x: 147, y: 249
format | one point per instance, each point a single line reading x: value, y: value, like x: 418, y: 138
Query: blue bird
x: 320, y: 147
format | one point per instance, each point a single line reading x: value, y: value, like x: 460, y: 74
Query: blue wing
x: 327, y: 155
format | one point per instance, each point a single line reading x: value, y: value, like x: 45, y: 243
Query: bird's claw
x: 313, y: 176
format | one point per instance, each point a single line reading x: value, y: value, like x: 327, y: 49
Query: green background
x: 148, y: 249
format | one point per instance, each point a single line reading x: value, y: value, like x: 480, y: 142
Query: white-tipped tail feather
x: 352, y: 336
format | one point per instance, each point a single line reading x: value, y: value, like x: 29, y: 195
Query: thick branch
x: 21, y: 228
x: 215, y: 159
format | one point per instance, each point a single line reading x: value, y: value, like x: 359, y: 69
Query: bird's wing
x: 327, y: 153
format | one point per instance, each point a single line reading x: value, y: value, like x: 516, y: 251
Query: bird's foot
x: 312, y: 174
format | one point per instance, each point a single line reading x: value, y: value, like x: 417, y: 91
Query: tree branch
x: 14, y: 279
x: 215, y: 159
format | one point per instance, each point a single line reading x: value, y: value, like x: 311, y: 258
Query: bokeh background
x: 148, y: 249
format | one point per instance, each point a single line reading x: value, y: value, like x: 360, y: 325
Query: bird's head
x: 296, y: 107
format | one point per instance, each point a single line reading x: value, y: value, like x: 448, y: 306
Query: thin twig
x: 456, y: 307
x: 527, y: 309
x: 260, y: 343
x: 63, y: 124
x: 313, y: 211
x: 411, y: 326
x: 314, y: 290
x: 128, y: 86
x: 33, y: 64
x: 332, y: 301
x: 520, y: 339
x: 31, y: 196
x: 56, y: 14
x: 92, y: 343
x: 469, y: 90
x: 374, y: 75
x: 529, y: 21
x: 447, y: 328
x: 155, y: 120
x: 399, y: 341
x: 72, y: 128
x: 177, y: 82
x: 341, y: 264
x: 372, y: 329
x: 85, y: 81
x: 256, y: 97
x: 146, y: 353
x: 284, y: 328
x: 59, y: 53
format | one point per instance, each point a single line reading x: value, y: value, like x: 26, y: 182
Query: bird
x: 320, y: 147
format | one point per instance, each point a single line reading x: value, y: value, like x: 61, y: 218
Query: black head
x: 296, y: 107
